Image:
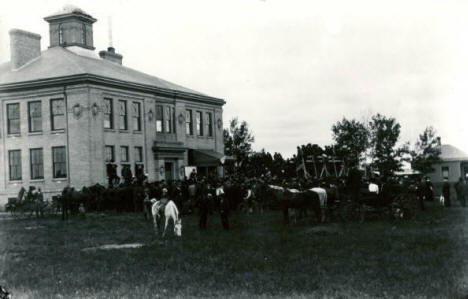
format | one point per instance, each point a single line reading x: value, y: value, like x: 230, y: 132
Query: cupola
x: 71, y: 26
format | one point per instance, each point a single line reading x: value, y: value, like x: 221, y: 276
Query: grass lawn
x: 259, y: 257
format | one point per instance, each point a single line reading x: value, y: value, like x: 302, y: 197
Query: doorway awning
x: 208, y: 158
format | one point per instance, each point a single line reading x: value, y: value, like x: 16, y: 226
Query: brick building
x: 67, y: 113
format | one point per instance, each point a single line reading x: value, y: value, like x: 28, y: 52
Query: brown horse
x: 296, y: 201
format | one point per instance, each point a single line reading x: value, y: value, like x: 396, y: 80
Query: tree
x: 426, y: 151
x: 384, y: 134
x: 238, y: 140
x: 278, y: 164
x: 352, y: 140
x: 259, y: 163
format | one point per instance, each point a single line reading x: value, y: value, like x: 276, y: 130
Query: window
x: 124, y: 157
x: 199, y: 123
x: 35, y: 116
x: 123, y: 115
x: 59, y: 162
x: 138, y: 154
x: 13, y: 116
x: 445, y: 172
x: 173, y: 120
x: 168, y: 120
x: 14, y: 163
x: 188, y: 122
x: 209, y: 124
x: 108, y: 114
x: 57, y: 114
x: 136, y: 116
x: 109, y: 154
x: 83, y: 33
x: 37, y: 163
x: 60, y: 30
x: 159, y: 118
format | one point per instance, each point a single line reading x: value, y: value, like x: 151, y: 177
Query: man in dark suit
x: 459, y: 190
x: 429, y: 193
x: 446, y: 193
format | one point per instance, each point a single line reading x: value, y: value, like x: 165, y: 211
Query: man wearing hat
x: 164, y: 198
x: 429, y: 193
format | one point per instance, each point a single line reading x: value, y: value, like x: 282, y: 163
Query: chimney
x: 111, y: 55
x: 439, y: 141
x: 24, y: 47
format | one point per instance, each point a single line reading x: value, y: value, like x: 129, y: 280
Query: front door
x: 168, y: 167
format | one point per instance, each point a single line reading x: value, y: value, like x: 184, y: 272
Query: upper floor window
x: 124, y: 157
x: 37, y: 163
x: 13, y: 118
x: 108, y: 114
x: 159, y: 118
x: 136, y: 116
x: 199, y: 123
x: 14, y: 165
x: 188, y: 122
x: 109, y: 154
x: 445, y: 172
x: 123, y: 115
x: 59, y: 162
x: 209, y: 124
x: 57, y: 114
x: 35, y: 116
x: 168, y: 120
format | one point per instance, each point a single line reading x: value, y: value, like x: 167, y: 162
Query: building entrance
x: 169, y: 171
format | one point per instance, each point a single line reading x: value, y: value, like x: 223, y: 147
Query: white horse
x: 170, y: 212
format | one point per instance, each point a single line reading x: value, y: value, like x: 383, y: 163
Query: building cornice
x: 100, y: 80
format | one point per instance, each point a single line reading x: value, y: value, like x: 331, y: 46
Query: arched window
x: 60, y: 32
x: 83, y: 34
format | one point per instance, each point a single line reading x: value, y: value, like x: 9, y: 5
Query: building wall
x: 454, y: 172
x: 437, y: 176
x: 85, y: 137
x: 25, y: 141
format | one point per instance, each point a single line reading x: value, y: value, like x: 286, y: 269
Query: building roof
x: 68, y: 9
x: 451, y: 153
x: 59, y: 62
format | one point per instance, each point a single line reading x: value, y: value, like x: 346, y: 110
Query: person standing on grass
x: 203, y: 206
x: 223, y: 206
x: 465, y: 191
x: 420, y: 190
x: 354, y: 183
x: 459, y: 190
x: 446, y: 192
x: 147, y: 205
x: 429, y: 193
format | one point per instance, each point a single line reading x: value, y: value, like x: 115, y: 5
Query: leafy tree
x: 384, y: 134
x: 426, y: 151
x: 238, y: 140
x: 278, y: 164
x: 352, y: 139
x: 259, y: 163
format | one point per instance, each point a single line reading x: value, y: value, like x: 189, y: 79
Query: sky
x: 291, y: 69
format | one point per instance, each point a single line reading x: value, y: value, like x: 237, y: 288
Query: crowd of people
x: 212, y: 194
